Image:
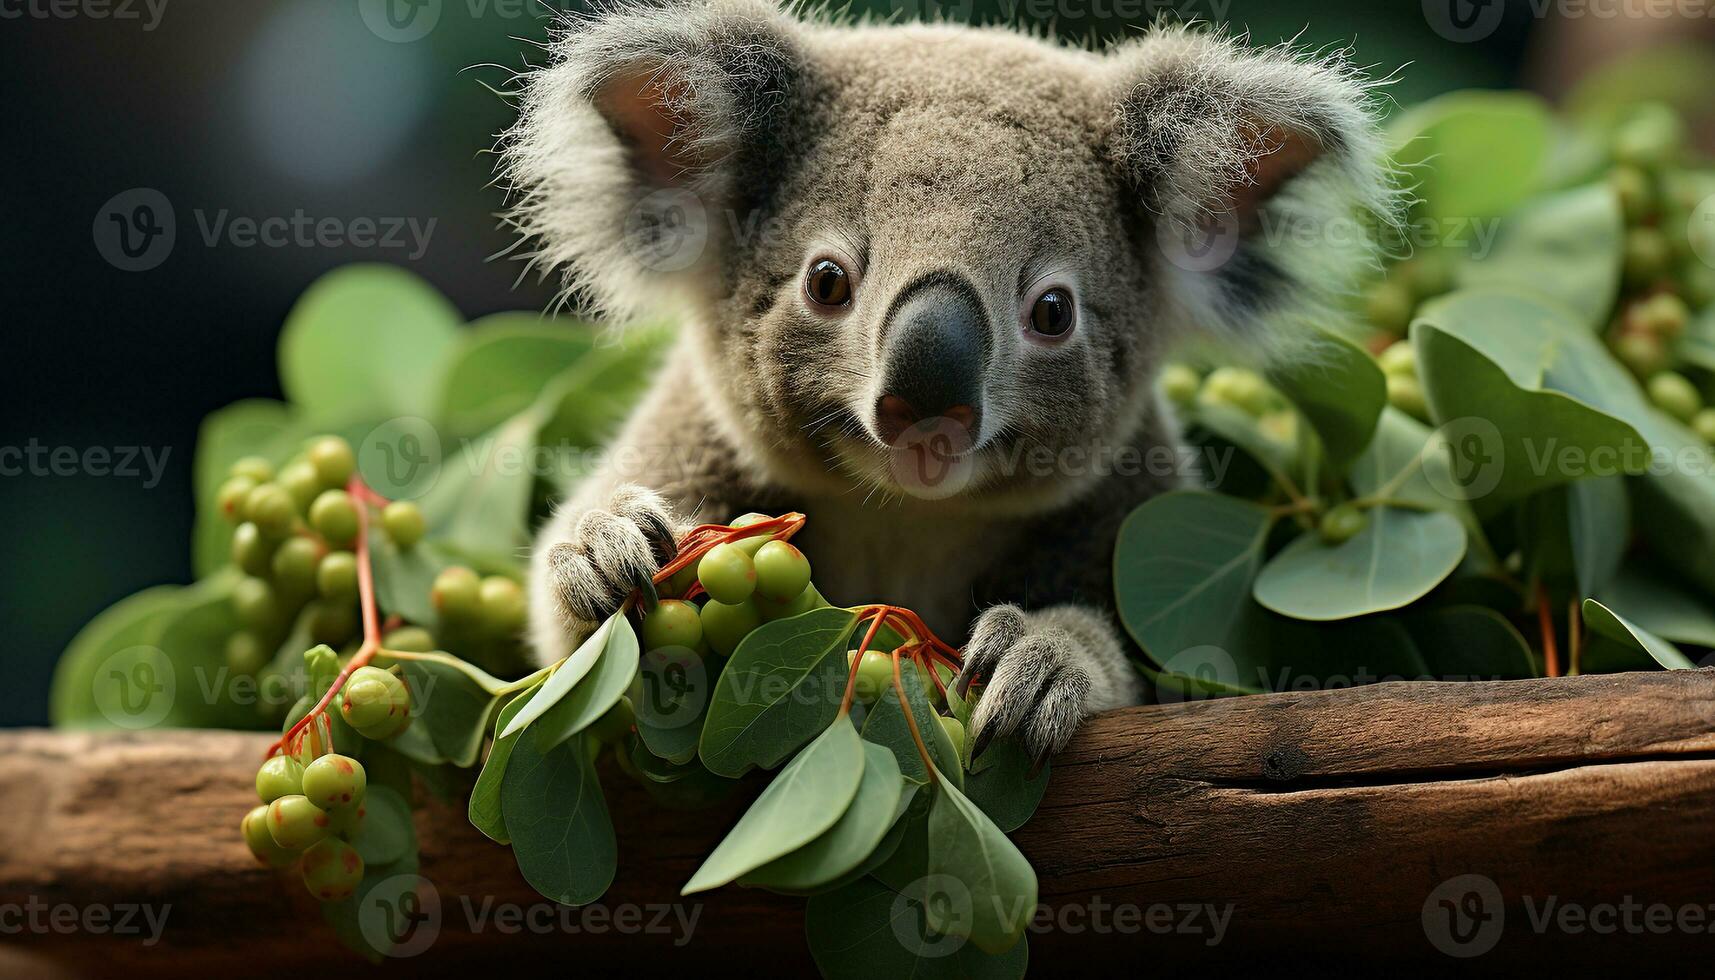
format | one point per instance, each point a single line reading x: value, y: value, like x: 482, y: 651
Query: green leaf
x: 885, y: 725
x: 1674, y: 505
x: 1661, y: 605
x: 866, y: 929
x: 806, y: 799
x: 586, y: 403
x: 553, y: 809
x: 88, y: 663
x: 387, y: 834
x: 1183, y: 567
x: 1341, y: 391
x: 1605, y: 621
x: 480, y: 502
x: 600, y: 689
x: 674, y: 703
x: 1599, y: 523
x: 450, y: 712
x: 485, y: 810
x: 362, y: 343
x: 1397, y: 558
x: 1472, y: 154
x: 404, y: 577
x: 1567, y: 247
x: 1000, y: 783
x: 782, y: 685
x: 193, y: 637
x: 502, y: 363
x: 965, y: 845
x: 570, y: 671
x: 1470, y: 643
x: 254, y: 427
x: 850, y: 841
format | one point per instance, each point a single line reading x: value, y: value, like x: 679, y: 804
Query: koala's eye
x: 828, y: 284
x: 1051, y: 316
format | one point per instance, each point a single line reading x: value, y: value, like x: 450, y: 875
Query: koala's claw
x: 609, y: 552
x: 1035, y: 684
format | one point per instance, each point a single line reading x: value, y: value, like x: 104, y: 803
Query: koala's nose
x: 938, y: 344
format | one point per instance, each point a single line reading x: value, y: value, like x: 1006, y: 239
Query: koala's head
x: 885, y: 232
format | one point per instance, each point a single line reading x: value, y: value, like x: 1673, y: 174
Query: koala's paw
x: 1035, y: 681
x: 609, y: 552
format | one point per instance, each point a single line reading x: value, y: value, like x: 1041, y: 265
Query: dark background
x: 264, y: 108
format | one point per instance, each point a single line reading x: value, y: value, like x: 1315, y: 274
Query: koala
x: 898, y: 244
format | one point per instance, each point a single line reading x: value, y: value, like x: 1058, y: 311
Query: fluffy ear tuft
x: 1261, y: 170
x: 650, y: 121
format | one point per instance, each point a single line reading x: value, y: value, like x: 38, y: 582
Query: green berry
x: 1664, y: 315
x: 321, y: 665
x: 1675, y: 395
x: 1342, y: 524
x: 331, y: 621
x: 1238, y: 387
x: 404, y: 523
x: 296, y: 823
x: 752, y: 544
x: 295, y: 564
x: 332, y: 459
x: 457, y: 594
x: 261, y: 842
x: 251, y: 551
x: 334, y: 782
x: 245, y: 654
x: 231, y: 496
x: 375, y: 703
x: 1636, y: 194
x: 874, y: 676
x: 955, y: 732
x: 782, y: 571
x: 270, y: 508
x: 1649, y: 256
x: 1406, y: 394
x: 300, y: 482
x: 727, y: 574
x: 674, y: 623
x: 336, y: 576
x: 614, y: 727
x: 347, y: 822
x: 1400, y: 358
x: 726, y: 625
x: 1650, y: 138
x: 411, y: 639
x: 1703, y: 423
x: 255, y: 604
x: 254, y: 468
x: 279, y: 776
x: 1180, y: 383
x: 501, y: 602
x: 1643, y: 353
x: 332, y: 869
x: 804, y: 602
x: 1389, y: 306
x: 334, y: 517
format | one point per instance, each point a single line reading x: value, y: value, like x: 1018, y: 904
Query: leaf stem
x: 1545, y: 622
x: 1574, y: 636
x: 911, y: 721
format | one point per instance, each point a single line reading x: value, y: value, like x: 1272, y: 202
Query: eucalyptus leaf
x: 1569, y: 247
x: 807, y: 798
x: 850, y: 841
x: 502, y: 362
x: 600, y: 689
x: 967, y: 847
x: 404, y: 577
x: 1661, y: 605
x: 1340, y: 390
x: 89, y: 662
x: 570, y: 671
x: 782, y: 685
x: 387, y: 834
x: 886, y: 725
x: 1001, y: 783
x: 1472, y: 154
x: 1397, y: 558
x: 552, y: 806
x: 866, y: 929
x: 450, y: 712
x: 1470, y: 643
x: 485, y: 808
x: 1612, y: 625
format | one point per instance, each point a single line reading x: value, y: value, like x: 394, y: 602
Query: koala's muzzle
x: 937, y: 349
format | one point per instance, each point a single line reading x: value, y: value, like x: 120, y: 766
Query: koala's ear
x: 1247, y: 155
x: 654, y: 118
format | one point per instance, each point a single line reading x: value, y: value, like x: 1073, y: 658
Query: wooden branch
x: 1320, y: 825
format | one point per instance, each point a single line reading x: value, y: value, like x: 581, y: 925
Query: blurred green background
x: 271, y: 108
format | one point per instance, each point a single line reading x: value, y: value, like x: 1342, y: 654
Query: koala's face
x: 919, y: 242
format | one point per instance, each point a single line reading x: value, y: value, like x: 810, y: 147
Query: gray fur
x: 903, y: 151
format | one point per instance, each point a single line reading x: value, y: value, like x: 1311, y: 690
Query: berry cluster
x: 310, y: 814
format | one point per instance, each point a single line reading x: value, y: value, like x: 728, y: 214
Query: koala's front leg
x: 1042, y: 673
